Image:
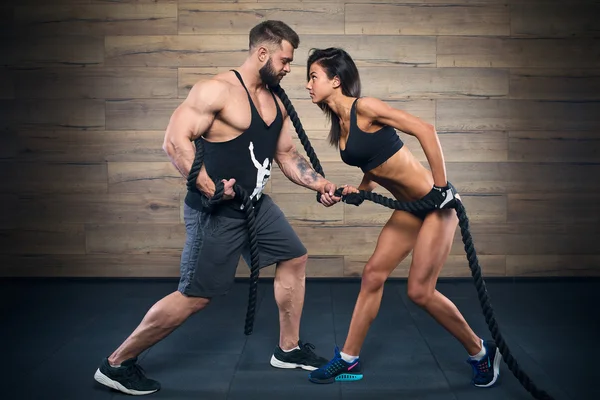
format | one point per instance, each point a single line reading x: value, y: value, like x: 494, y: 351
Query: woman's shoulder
x: 371, y: 107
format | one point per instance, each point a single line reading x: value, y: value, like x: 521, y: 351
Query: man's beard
x: 268, y: 74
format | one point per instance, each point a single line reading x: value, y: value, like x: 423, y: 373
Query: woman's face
x: 319, y: 86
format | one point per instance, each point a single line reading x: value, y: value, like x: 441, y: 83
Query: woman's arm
x: 425, y: 132
x: 367, y: 184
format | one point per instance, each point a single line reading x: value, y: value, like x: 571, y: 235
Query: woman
x: 364, y: 130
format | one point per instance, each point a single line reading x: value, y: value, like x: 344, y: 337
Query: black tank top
x: 247, y: 158
x: 369, y: 150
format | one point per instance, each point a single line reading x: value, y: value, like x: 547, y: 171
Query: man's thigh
x: 211, y: 253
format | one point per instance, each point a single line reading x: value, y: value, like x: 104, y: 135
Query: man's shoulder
x: 217, y: 84
x: 215, y: 90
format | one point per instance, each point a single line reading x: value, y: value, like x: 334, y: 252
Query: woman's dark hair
x: 335, y: 62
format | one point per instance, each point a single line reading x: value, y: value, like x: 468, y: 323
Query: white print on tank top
x: 262, y: 175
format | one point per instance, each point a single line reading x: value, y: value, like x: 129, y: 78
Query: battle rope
x: 217, y: 197
x: 357, y: 198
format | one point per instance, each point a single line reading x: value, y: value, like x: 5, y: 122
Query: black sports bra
x: 369, y: 150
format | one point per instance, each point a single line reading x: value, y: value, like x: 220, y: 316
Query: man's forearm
x: 183, y: 158
x: 297, y: 169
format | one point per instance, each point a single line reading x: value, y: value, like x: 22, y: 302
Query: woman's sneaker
x: 487, y: 370
x: 337, y: 370
x: 128, y: 378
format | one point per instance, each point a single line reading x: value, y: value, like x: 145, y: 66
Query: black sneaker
x: 487, y: 370
x: 128, y: 378
x: 303, y: 358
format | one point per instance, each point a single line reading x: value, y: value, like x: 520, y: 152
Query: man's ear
x: 262, y: 53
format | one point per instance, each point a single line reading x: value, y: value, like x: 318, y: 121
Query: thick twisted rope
x: 250, y: 220
x: 421, y: 205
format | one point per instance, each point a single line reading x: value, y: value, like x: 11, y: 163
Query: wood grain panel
x: 553, y: 84
x: 324, y: 151
x: 6, y: 20
x: 532, y: 239
x: 144, y: 177
x: 91, y: 265
x: 316, y: 267
x: 479, y: 178
x: 226, y: 19
x: 99, y: 208
x: 135, y: 238
x: 176, y: 51
x: 84, y: 146
x: 472, y: 115
x: 55, y: 178
x: 367, y: 50
x: 455, y: 266
x: 361, y: 240
x: 338, y: 241
x: 7, y: 86
x: 48, y: 239
x: 552, y: 177
x: 33, y: 51
x: 465, y: 146
x: 188, y: 77
x: 554, y: 20
x: 554, y: 115
x: 395, y: 19
x: 97, y: 82
x: 431, y: 83
x: 454, y: 51
x: 60, y: 114
x: 8, y: 144
x: 554, y: 207
x: 9, y: 210
x: 548, y: 146
x: 92, y: 20
x: 552, y: 265
x: 517, y: 115
x: 140, y: 114
x: 7, y: 116
x: 304, y: 208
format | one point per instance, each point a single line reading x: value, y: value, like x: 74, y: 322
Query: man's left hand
x: 328, y: 197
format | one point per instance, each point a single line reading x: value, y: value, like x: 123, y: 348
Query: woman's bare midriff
x: 403, y: 176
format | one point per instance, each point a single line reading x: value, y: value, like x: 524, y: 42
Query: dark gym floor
x: 55, y: 332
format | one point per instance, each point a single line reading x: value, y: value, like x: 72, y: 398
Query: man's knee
x: 293, y: 267
x: 192, y: 304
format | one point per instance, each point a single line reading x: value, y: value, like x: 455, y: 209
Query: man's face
x: 278, y: 64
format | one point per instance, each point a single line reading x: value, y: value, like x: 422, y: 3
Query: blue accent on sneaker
x: 337, y: 370
x: 487, y: 370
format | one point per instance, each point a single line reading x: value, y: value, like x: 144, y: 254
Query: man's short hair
x: 273, y: 32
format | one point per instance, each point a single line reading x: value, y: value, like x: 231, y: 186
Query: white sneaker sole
x: 106, y: 381
x: 280, y: 364
x: 497, y: 360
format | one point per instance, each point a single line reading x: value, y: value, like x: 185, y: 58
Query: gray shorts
x: 214, y: 243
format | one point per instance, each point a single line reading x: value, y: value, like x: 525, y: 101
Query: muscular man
x: 240, y: 123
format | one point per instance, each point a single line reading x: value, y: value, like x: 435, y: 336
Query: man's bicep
x: 285, y: 144
x: 196, y: 114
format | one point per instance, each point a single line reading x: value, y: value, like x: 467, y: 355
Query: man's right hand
x: 228, y: 192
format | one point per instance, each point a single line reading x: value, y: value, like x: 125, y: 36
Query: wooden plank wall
x: 87, y: 88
